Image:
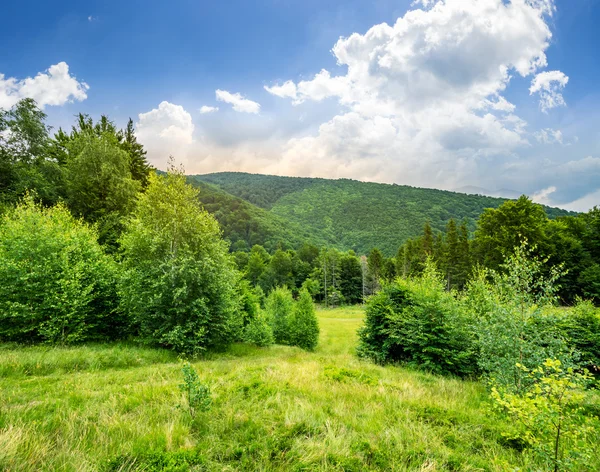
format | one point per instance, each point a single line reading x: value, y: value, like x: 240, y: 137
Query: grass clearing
x: 116, y: 407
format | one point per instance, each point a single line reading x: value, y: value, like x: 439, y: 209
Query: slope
x: 244, y: 224
x: 348, y: 214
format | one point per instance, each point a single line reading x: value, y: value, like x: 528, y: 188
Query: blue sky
x: 494, y: 94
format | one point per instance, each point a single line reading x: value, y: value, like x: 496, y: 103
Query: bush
x: 515, y: 319
x: 549, y: 417
x: 417, y: 322
x: 57, y: 283
x: 249, y: 301
x: 581, y: 327
x: 179, y: 284
x: 258, y: 332
x: 196, y: 393
x: 303, y: 324
x: 278, y: 307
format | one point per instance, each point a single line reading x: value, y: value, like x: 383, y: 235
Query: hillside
x: 348, y: 214
x: 245, y: 224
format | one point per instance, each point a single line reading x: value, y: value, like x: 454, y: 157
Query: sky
x: 484, y: 96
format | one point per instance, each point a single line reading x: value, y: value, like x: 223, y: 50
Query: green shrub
x: 303, y: 324
x: 549, y: 417
x: 197, y: 394
x: 179, y: 283
x: 515, y: 321
x: 278, y: 307
x: 249, y: 304
x: 417, y: 322
x: 581, y: 326
x: 258, y: 331
x: 57, y: 283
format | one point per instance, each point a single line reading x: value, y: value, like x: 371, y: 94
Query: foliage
x: 196, y: 393
x: 25, y: 161
x: 179, y: 281
x: 511, y: 323
x: 549, y: 415
x: 303, y: 324
x: 57, y: 285
x: 347, y: 214
x: 278, y: 307
x: 245, y: 224
x: 249, y: 301
x: 581, y: 327
x: 258, y: 331
x: 99, y: 184
x: 417, y: 322
x: 500, y: 230
x: 351, y: 278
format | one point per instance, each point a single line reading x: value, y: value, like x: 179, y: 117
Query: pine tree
x: 375, y: 263
x: 140, y: 169
x: 463, y: 258
x: 427, y: 240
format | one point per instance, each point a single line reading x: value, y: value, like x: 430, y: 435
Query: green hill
x: 245, y: 224
x: 348, y: 214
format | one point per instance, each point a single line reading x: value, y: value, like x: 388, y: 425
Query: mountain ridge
x: 347, y: 213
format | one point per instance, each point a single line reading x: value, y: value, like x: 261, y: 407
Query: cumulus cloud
x: 204, y: 109
x: 166, y: 130
x: 239, y: 103
x: 424, y: 96
x: 55, y: 86
x: 549, y: 85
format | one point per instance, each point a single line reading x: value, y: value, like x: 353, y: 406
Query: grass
x: 117, y: 408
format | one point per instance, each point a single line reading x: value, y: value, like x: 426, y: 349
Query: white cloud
x: 52, y: 87
x: 549, y: 136
x: 239, y: 103
x: 424, y: 96
x: 543, y: 195
x: 549, y: 85
x: 206, y: 109
x: 166, y: 130
x: 285, y: 90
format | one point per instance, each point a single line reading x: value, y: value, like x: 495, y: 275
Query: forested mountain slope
x: 349, y: 214
x: 245, y: 224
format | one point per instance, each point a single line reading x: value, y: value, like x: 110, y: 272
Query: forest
x: 385, y: 327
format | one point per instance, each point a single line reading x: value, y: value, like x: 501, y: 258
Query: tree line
x: 95, y: 246
x: 336, y: 277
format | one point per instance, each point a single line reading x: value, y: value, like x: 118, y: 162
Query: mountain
x: 245, y: 224
x: 343, y: 213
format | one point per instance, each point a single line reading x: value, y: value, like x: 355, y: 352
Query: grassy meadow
x: 117, y: 407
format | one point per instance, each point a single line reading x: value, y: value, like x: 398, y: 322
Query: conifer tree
x: 304, y: 327
x: 140, y: 169
x: 427, y: 240
x: 451, y: 259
